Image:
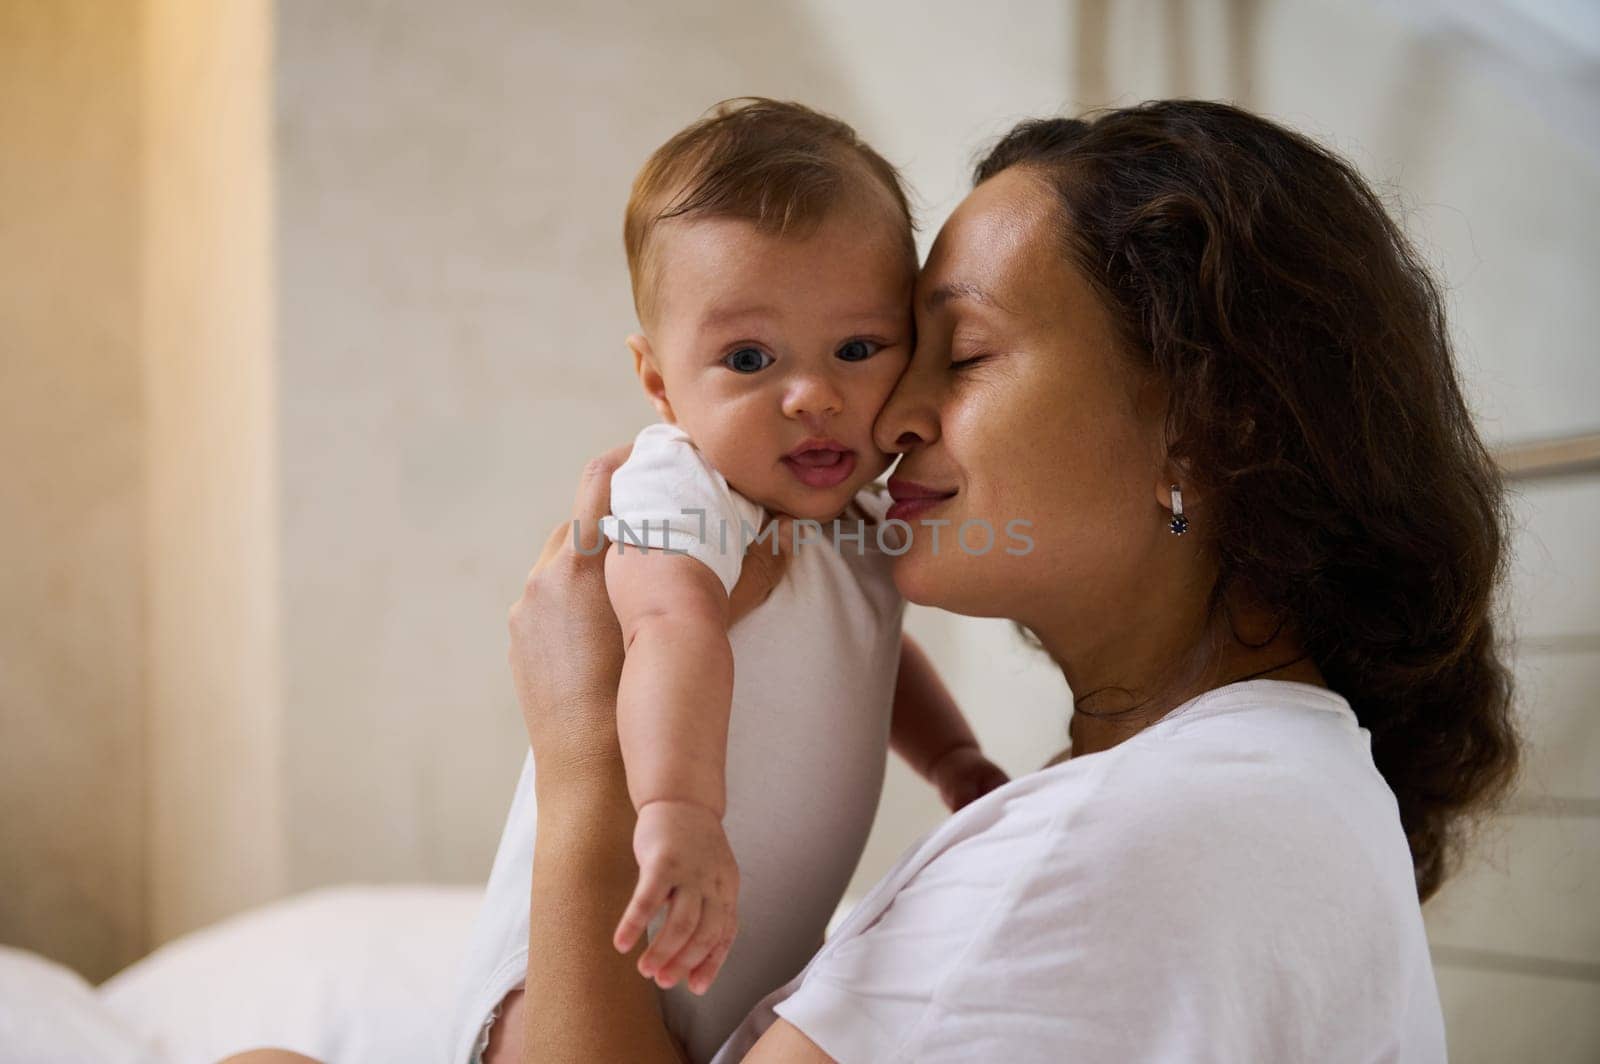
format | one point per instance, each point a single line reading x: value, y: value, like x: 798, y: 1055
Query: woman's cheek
x: 982, y: 577
x: 915, y: 578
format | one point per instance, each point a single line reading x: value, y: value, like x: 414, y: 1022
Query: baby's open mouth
x: 819, y: 458
x: 821, y: 463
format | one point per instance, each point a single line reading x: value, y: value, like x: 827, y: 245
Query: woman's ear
x: 648, y: 371
x: 1176, y: 471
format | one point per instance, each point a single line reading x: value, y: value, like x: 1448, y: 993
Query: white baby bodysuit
x: 814, y: 676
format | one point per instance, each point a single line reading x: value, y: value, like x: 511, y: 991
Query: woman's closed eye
x: 970, y: 348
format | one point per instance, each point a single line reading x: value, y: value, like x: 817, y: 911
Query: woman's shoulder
x: 1264, y: 780
x: 1241, y: 764
x: 1253, y: 808
x: 1242, y: 740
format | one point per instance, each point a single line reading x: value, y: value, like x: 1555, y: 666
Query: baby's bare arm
x: 677, y: 677
x: 927, y: 723
x: 930, y: 733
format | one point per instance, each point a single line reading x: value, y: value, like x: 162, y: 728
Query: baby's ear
x: 649, y: 373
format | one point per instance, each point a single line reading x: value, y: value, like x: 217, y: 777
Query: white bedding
x: 346, y: 975
x: 50, y: 1015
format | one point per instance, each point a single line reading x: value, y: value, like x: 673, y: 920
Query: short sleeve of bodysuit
x: 666, y: 496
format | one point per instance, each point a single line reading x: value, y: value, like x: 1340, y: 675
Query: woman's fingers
x: 580, y: 534
x: 593, y: 502
x: 648, y: 898
x: 683, y: 916
x: 594, y: 488
x: 552, y: 545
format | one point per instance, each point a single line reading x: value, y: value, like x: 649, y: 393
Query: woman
x: 1190, y: 347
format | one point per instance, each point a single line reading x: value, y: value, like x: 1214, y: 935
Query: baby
x: 772, y: 261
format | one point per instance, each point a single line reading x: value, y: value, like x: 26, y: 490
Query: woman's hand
x: 566, y: 646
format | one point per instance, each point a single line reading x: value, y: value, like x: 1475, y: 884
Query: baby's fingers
x: 683, y: 916
x: 714, y: 923
x: 702, y: 977
x: 648, y: 898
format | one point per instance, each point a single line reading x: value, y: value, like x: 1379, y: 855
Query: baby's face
x: 775, y: 353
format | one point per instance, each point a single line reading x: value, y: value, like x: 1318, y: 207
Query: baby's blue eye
x: 857, y: 351
x: 748, y: 360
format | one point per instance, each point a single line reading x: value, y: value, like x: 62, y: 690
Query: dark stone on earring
x: 1179, y: 525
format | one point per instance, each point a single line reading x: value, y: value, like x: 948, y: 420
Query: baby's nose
x: 814, y: 396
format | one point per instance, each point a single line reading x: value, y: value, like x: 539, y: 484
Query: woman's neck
x: 1091, y: 734
x: 1125, y: 684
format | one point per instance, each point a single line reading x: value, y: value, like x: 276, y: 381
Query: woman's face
x: 1017, y: 407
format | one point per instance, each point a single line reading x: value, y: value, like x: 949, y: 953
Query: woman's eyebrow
x: 951, y: 290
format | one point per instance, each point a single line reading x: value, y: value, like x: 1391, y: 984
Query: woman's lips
x: 913, y: 500
x: 821, y: 467
x: 910, y: 508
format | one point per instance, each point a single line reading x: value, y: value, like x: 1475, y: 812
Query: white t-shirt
x: 1231, y: 884
x: 814, y: 675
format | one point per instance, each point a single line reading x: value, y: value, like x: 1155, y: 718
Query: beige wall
x: 72, y: 590
x: 215, y: 830
x: 138, y: 638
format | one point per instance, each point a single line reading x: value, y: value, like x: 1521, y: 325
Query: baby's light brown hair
x: 781, y: 166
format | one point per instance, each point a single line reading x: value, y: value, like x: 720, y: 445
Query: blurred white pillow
x: 49, y: 1014
x: 343, y: 974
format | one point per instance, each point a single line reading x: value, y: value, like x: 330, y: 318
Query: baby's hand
x: 685, y: 862
x: 964, y: 775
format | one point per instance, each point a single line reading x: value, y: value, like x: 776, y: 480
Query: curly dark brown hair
x: 1315, y: 398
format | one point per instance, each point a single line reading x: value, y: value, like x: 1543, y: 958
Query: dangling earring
x: 1180, y: 523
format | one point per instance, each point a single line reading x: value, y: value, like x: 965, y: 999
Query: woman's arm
x: 566, y: 658
x: 588, y: 1002
x: 591, y: 1003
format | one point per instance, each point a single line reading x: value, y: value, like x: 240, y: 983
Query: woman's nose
x: 910, y: 418
x: 812, y: 396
